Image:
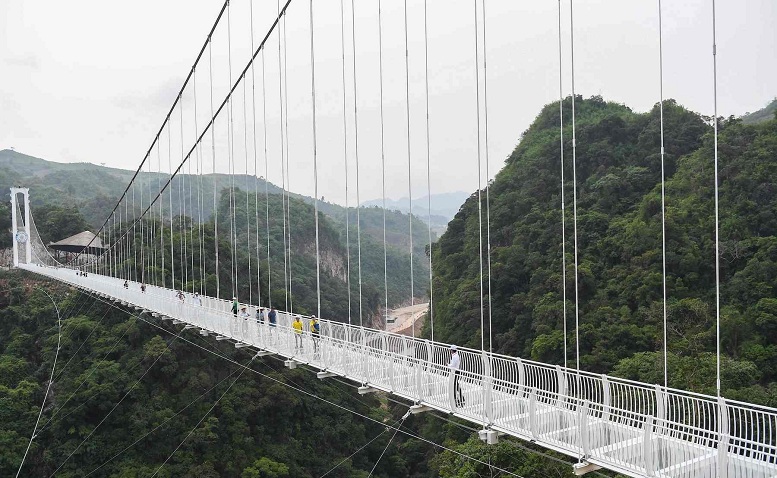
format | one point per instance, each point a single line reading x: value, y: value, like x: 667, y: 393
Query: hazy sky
x: 92, y: 80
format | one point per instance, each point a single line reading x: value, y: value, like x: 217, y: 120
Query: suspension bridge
x: 638, y: 429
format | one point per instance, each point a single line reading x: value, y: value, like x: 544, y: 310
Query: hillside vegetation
x: 69, y: 198
x: 94, y: 190
x: 764, y: 114
x: 619, y: 237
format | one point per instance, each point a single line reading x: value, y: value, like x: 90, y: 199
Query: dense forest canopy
x: 620, y: 261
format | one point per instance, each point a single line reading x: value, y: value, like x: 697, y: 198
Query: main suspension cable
x: 213, y: 117
x: 161, y: 128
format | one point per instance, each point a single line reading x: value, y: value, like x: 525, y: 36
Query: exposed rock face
x: 332, y: 261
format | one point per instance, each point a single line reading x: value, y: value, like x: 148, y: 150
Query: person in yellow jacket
x: 315, y: 332
x: 297, y: 325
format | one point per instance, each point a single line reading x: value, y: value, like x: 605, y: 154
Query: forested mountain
x: 244, y: 269
x: 68, y: 198
x: 619, y: 237
x: 93, y: 190
x: 333, y: 259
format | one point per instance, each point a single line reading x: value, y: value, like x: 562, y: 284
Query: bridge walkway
x: 633, y: 428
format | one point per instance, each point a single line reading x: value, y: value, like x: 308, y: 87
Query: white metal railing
x: 630, y: 427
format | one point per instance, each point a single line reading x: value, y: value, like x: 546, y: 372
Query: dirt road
x: 407, y: 316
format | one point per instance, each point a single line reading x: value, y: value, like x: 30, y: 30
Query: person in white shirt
x: 455, y: 366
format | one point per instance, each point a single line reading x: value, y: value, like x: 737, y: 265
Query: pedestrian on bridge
x: 260, y: 315
x: 235, y: 306
x: 126, y: 285
x: 455, y: 366
x: 315, y: 332
x: 297, y: 325
x: 272, y: 317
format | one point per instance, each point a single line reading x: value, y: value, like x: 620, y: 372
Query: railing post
x: 561, y: 397
x: 533, y: 414
x: 660, y: 401
x: 429, y: 368
x: 606, y: 398
x: 647, y: 445
x: 392, y: 364
x: 488, y: 387
x: 386, y: 369
x: 562, y: 387
x: 363, y: 355
x: 723, y: 438
x: 325, y: 338
x: 585, y: 445
x: 417, y: 370
x: 521, y: 376
x: 405, y: 362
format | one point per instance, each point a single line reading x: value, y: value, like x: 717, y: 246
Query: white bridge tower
x: 21, y: 233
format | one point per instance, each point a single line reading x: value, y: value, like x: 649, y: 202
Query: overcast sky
x: 92, y: 80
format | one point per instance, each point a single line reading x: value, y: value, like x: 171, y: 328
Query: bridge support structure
x: 21, y: 233
x: 488, y: 436
x: 420, y: 408
x: 584, y: 467
x: 365, y: 389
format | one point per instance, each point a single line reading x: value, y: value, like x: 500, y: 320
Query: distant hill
x: 764, y: 114
x: 94, y: 189
x: 444, y: 207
